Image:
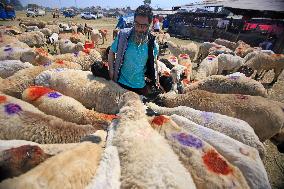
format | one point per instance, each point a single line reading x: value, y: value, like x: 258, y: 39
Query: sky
x: 107, y: 3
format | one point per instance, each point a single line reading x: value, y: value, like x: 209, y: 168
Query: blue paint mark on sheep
x: 234, y: 77
x: 188, y: 140
x: 47, y: 64
x: 54, y: 95
x: 59, y: 69
x: 207, y: 116
x: 12, y: 108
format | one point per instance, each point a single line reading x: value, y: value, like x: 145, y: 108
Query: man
x: 133, y: 54
x: 156, y: 24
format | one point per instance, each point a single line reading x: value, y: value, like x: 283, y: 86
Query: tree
x: 147, y: 2
x: 17, y: 4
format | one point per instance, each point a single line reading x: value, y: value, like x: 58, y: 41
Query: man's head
x: 142, y: 19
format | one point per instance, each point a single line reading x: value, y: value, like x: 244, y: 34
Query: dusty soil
x: 274, y: 161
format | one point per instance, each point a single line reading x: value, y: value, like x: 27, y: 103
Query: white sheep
x: 244, y: 157
x: 9, y: 67
x: 66, y: 46
x: 54, y: 103
x: 17, y: 83
x: 219, y: 49
x: 232, y: 127
x: 264, y: 62
x: 32, y: 39
x: 226, y: 43
x: 95, y: 36
x: 230, y: 84
x: 108, y: 173
x: 191, y: 49
x: 85, y: 59
x: 208, y: 66
x: 46, y: 32
x: 29, y: 28
x: 92, y: 92
x: 147, y: 161
x: 204, y: 50
x: 13, y: 52
x: 22, y: 121
x: 67, y: 169
x: 229, y: 62
x: 196, y: 154
x: 263, y: 115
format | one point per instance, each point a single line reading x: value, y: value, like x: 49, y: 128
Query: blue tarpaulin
x: 125, y: 21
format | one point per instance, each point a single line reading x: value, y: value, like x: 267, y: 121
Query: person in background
x: 156, y: 24
x: 267, y: 44
x: 133, y: 54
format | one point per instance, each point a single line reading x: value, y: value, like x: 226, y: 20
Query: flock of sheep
x: 63, y: 127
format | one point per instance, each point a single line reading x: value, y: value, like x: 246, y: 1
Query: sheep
x: 95, y: 36
x: 208, y: 66
x: 17, y: 83
x: 92, y: 92
x: 53, y: 28
x: 103, y: 33
x: 146, y: 159
x: 46, y: 32
x: 54, y: 103
x: 32, y: 39
x: 85, y: 59
x: 244, y: 157
x: 15, y: 161
x: 11, y: 52
x: 232, y: 127
x: 12, y: 41
x: 108, y: 172
x: 19, y: 120
x: 204, y: 50
x: 76, y: 38
x: 226, y: 43
x: 61, y: 171
x: 39, y: 24
x: 9, y: 67
x: 194, y: 153
x: 29, y: 28
x: 53, y: 40
x: 263, y: 115
x: 184, y: 59
x: 191, y: 49
x: 37, y: 56
x: 219, y: 49
x: 66, y: 46
x: 229, y: 62
x: 278, y: 140
x: 230, y: 84
x: 264, y: 62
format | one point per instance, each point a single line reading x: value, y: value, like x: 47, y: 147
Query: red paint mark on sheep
x: 108, y: 117
x: 59, y: 61
x: 241, y: 97
x: 36, y: 92
x: 41, y: 51
x: 3, y: 99
x: 160, y: 120
x: 216, y: 163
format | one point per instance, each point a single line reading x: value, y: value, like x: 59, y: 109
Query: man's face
x: 141, y: 24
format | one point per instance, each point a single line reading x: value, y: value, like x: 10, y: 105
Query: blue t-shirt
x: 132, y: 72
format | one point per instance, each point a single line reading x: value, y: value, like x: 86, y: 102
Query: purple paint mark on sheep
x: 282, y: 109
x: 76, y: 54
x: 47, y: 64
x: 54, y: 95
x: 59, y: 69
x: 207, y: 116
x: 234, y: 77
x: 188, y: 140
x: 8, y: 49
x: 12, y: 108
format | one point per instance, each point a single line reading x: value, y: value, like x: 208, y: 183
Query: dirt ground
x: 274, y: 161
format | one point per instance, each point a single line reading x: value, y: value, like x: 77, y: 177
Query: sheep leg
x: 262, y: 74
x: 277, y: 73
x: 258, y: 73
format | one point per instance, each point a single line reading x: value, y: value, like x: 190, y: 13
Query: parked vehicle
x: 35, y: 12
x: 69, y: 13
x: 88, y: 15
x: 7, y: 12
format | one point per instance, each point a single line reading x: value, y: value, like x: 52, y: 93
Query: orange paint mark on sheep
x: 36, y: 92
x: 108, y: 117
x: 41, y: 51
x: 59, y: 61
x: 160, y: 120
x: 3, y: 99
x: 87, y: 51
x: 165, y: 73
x: 216, y: 163
x: 185, y: 81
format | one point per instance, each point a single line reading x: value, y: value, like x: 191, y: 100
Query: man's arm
x: 111, y: 57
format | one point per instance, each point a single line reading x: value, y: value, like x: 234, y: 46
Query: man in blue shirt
x: 133, y: 54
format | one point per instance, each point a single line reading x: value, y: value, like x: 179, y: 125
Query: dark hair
x: 144, y: 10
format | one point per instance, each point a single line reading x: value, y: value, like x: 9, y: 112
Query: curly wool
x: 263, y: 115
x: 69, y: 169
x: 191, y: 49
x: 32, y: 39
x: 20, y: 120
x: 91, y: 91
x: 208, y: 66
x: 64, y: 107
x: 229, y: 84
x: 9, y: 67
x: 226, y: 43
x: 232, y: 127
x: 146, y: 159
x: 244, y: 157
x: 192, y: 152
